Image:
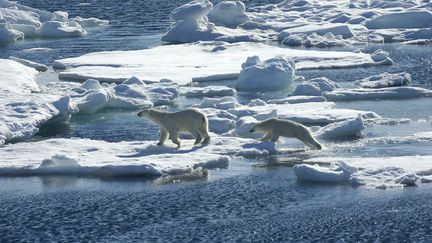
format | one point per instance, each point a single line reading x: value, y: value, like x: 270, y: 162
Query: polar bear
x: 171, y: 123
x: 275, y: 128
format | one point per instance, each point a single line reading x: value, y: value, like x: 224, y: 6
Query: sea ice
x: 342, y: 129
x: 385, y: 80
x: 272, y: 74
x: 203, y: 61
x: 22, y: 108
x: 85, y: 157
x: 315, y: 87
x: 377, y: 94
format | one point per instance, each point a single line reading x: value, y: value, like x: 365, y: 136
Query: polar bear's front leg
x: 163, y: 136
x: 275, y: 138
x: 198, y: 138
x: 266, y: 137
x: 174, y: 138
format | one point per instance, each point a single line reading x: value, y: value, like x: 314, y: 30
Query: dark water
x: 240, y: 204
x: 267, y: 205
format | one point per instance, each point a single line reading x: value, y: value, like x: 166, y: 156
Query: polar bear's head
x: 145, y: 113
x: 260, y: 127
x: 264, y: 126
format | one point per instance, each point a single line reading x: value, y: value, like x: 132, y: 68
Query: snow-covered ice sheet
x: 203, y: 61
x: 382, y: 172
x: 22, y: 109
x: 377, y: 94
x: 85, y: 157
x: 207, y: 91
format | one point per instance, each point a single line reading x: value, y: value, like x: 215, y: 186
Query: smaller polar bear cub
x: 275, y: 128
x: 172, y: 123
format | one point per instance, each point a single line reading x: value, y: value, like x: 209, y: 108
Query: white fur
x: 172, y: 123
x: 275, y: 128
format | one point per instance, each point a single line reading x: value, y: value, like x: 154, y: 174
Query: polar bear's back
x: 185, y: 120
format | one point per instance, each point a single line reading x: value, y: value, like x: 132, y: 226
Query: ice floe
x: 19, y: 21
x: 342, y: 129
x: 85, y: 157
x: 385, y: 172
x: 385, y: 80
x: 203, y: 61
x: 377, y: 94
x: 39, y: 67
x: 207, y: 91
x: 22, y: 108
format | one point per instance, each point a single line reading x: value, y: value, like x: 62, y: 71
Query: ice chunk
x: 60, y: 29
x: 337, y: 173
x: 223, y: 103
x: 90, y: 22
x: 202, y: 61
x: 336, y: 29
x: 8, y: 35
x: 228, y: 13
x: 377, y: 94
x: 272, y: 74
x: 191, y: 11
x: 315, y: 87
x: 382, y: 178
x: 298, y: 99
x: 408, y: 19
x: 39, y: 67
x: 220, y: 125
x: 342, y: 129
x: 386, y: 80
x: 208, y: 91
x: 382, y: 57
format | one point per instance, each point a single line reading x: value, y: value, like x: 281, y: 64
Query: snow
x: 315, y: 87
x: 337, y: 173
x: 385, y: 172
x: 23, y: 110
x: 90, y: 22
x: 386, y: 80
x: 203, y: 61
x: 228, y: 13
x: 19, y: 21
x: 343, y: 30
x: 343, y: 129
x: 377, y: 94
x: 298, y: 99
x: 39, y: 67
x: 85, y: 157
x: 207, y: 91
x: 223, y: 103
x: 57, y: 29
x: 273, y: 74
x: 411, y: 19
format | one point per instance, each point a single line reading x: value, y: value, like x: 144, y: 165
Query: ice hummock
x: 18, y: 21
x: 202, y: 61
x: 272, y: 74
x: 311, y: 23
x: 85, y: 157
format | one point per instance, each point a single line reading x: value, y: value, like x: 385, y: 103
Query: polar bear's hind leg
x: 198, y: 138
x: 163, y: 136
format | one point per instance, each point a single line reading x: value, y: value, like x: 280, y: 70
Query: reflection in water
x: 57, y: 182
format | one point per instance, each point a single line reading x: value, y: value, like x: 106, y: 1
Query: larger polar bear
x: 172, y: 123
x: 275, y: 128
